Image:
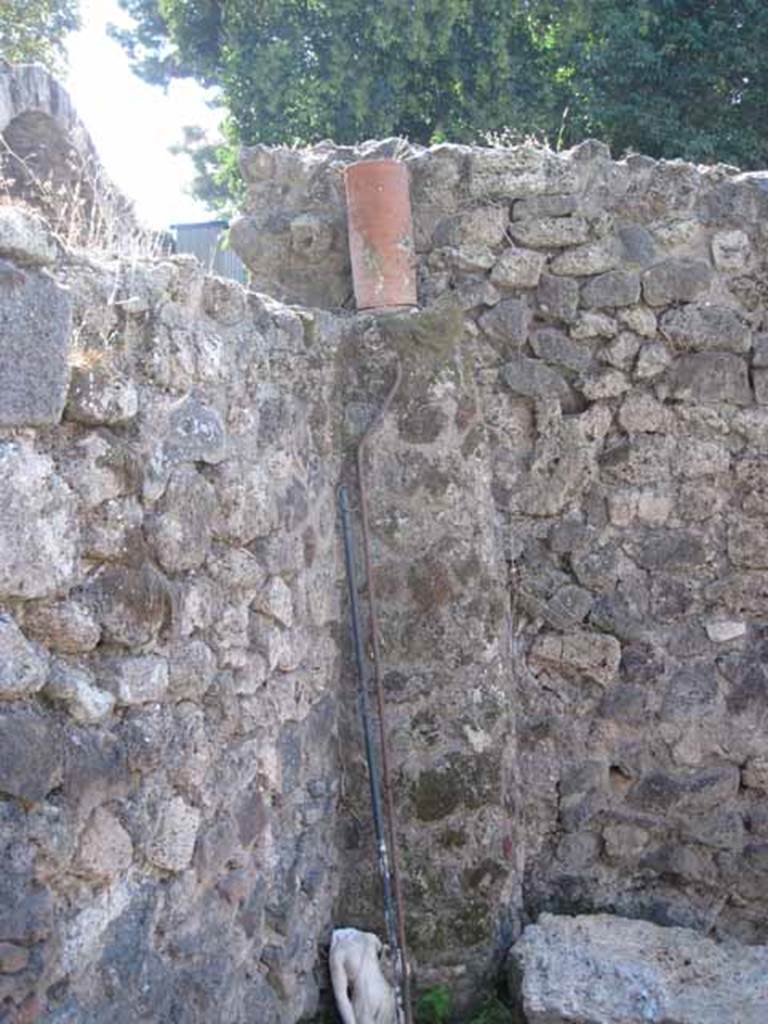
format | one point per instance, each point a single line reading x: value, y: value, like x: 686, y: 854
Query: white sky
x: 132, y: 123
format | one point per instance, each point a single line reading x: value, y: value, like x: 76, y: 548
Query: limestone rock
x: 38, y: 533
x: 676, y: 280
x: 533, y: 379
x: 591, y: 258
x: 615, y: 288
x: 130, y: 604
x: 640, y: 320
x: 25, y: 237
x: 702, y: 328
x: 652, y: 360
x: 518, y: 268
x: 554, y: 347
x: 180, y: 526
x: 482, y: 226
x: 66, y: 626
x: 550, y: 232
x: 545, y: 206
x: 106, y: 850
x: 594, y: 325
x: 519, y: 172
x: 142, y: 679
x: 507, y: 321
x: 711, y: 377
x: 76, y: 689
x: 31, y: 756
x: 557, y: 298
x: 35, y: 326
x: 731, y: 251
x: 173, y: 843
x: 592, y: 655
x: 23, y: 667
x: 98, y: 395
x: 590, y: 968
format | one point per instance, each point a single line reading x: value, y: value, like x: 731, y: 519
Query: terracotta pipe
x: 381, y: 235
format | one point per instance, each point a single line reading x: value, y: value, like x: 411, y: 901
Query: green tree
x: 33, y: 31
x: 673, y: 78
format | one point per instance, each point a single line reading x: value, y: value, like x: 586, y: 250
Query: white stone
x: 276, y: 602
x: 25, y: 237
x: 518, y: 268
x: 23, y: 666
x: 594, y: 325
x: 75, y: 687
x: 173, y: 842
x: 38, y: 531
x: 722, y: 631
x: 142, y: 679
x: 600, y: 969
x: 731, y: 251
x: 106, y: 850
x: 640, y: 320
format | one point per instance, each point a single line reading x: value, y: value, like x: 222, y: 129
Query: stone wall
x: 609, y: 436
x: 168, y: 641
x: 567, y: 505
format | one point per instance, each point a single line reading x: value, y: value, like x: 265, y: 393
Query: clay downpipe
x: 381, y: 235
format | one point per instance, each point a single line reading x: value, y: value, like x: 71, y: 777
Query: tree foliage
x: 672, y: 78
x: 33, y: 31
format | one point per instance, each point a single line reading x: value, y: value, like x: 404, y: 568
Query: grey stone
x: 519, y: 172
x: 76, y: 689
x: 507, y: 322
x: 554, y: 347
x: 25, y: 237
x: 35, y: 326
x: 31, y: 754
x: 731, y: 251
x: 637, y: 245
x: 602, y: 384
x: 652, y: 360
x: 676, y: 280
x: 616, y: 288
x: 179, y: 527
x: 585, y: 969
x: 671, y: 550
x: 557, y: 298
x: 591, y: 258
x: 482, y: 226
x: 173, y: 842
x: 591, y: 655
x: 640, y: 320
x: 702, y: 328
x: 711, y: 378
x: 518, y: 268
x: 130, y: 604
x: 532, y: 379
x: 192, y: 668
x: 594, y: 325
x: 98, y: 395
x: 38, y: 532
x: 23, y: 666
x: 65, y: 626
x: 141, y: 679
x: 748, y: 543
x: 760, y: 382
x: 105, y: 850
x: 195, y: 433
x: 545, y: 206
x: 550, y: 232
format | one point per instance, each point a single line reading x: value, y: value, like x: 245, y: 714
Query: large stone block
x: 711, y: 378
x: 676, y: 280
x: 703, y: 328
x: 38, y: 531
x: 31, y: 755
x: 35, y: 325
x: 599, y: 968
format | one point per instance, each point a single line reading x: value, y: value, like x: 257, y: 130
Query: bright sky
x: 132, y: 123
